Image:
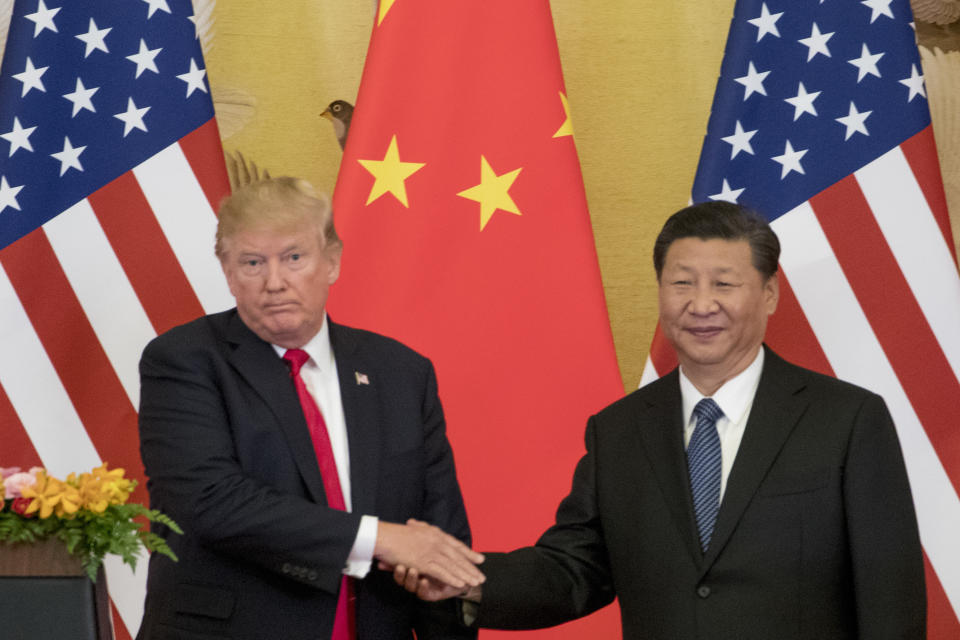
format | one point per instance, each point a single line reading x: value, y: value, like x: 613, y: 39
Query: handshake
x: 428, y: 562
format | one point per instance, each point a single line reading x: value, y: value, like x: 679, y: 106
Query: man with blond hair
x: 293, y: 450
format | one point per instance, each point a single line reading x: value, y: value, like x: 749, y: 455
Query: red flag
x: 832, y: 142
x: 111, y: 170
x: 467, y: 236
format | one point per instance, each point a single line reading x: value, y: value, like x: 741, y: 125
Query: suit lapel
x: 777, y: 407
x: 358, y: 392
x: 661, y: 433
x: 258, y: 364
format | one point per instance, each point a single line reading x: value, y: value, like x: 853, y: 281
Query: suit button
x: 703, y: 591
x: 286, y: 567
x: 312, y: 575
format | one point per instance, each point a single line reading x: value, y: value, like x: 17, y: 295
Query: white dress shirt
x: 735, y: 397
x: 319, y: 374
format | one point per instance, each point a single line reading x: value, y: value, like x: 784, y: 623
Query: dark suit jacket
x: 229, y: 457
x: 816, y: 536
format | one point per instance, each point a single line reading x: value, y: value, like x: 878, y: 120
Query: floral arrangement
x: 89, y: 513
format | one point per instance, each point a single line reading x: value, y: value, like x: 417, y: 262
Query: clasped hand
x: 427, y: 561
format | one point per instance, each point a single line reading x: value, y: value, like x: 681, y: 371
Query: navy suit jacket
x: 228, y: 456
x: 816, y: 535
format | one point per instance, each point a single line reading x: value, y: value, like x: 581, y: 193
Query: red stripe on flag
x: 72, y: 346
x: 144, y: 253
x: 119, y: 628
x: 17, y: 449
x: 921, y: 153
x: 662, y: 354
x: 790, y: 335
x: 205, y: 155
x: 942, y: 623
x: 894, y: 314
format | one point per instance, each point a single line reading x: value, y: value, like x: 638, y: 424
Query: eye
x: 294, y: 257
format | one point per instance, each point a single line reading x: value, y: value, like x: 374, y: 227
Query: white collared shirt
x: 734, y: 397
x: 319, y: 374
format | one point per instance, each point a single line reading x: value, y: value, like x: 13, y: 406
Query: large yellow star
x: 492, y: 192
x: 566, y: 129
x: 384, y: 8
x: 390, y: 174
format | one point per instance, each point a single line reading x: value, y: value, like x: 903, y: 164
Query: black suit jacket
x: 816, y: 535
x: 229, y: 457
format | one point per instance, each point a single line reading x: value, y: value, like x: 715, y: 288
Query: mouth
x: 279, y: 307
x: 704, y: 333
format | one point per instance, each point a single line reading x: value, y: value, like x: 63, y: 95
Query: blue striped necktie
x: 703, y: 461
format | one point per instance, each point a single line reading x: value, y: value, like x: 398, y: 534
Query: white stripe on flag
x: 52, y: 424
x: 855, y: 355
x: 649, y: 372
x: 917, y: 244
x: 187, y: 221
x: 104, y: 292
x: 127, y: 589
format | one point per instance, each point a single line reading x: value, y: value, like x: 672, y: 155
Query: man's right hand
x: 431, y: 589
x: 429, y: 553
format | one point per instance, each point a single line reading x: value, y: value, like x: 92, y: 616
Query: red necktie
x: 344, y: 625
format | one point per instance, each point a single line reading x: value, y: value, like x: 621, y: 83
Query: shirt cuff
x: 361, y: 555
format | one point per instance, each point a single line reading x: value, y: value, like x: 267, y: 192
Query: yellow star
x: 566, y: 129
x: 491, y: 193
x: 384, y: 8
x: 390, y: 174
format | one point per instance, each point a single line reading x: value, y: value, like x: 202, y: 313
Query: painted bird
x: 339, y: 113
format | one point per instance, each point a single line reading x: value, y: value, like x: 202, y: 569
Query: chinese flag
x: 466, y: 236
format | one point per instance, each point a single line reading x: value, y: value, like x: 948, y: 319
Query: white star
x: 94, y: 38
x: 790, y: 160
x: 803, y: 102
x: 156, y: 4
x: 914, y: 83
x: 19, y: 138
x: 879, y: 7
x: 43, y: 19
x: 817, y: 42
x: 740, y: 141
x: 30, y: 77
x: 8, y: 195
x: 69, y: 158
x: 753, y: 82
x: 727, y: 194
x: 854, y: 121
x: 132, y: 118
x: 866, y: 63
x: 194, y: 78
x: 144, y: 58
x: 766, y: 23
x: 81, y: 98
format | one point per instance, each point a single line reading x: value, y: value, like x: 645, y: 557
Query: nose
x: 275, y: 281
x: 703, y: 302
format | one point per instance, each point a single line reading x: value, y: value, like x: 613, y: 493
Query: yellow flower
x: 101, y: 488
x: 45, y: 494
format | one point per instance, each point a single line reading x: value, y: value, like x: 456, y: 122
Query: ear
x: 771, y: 293
x: 333, y: 255
x: 228, y: 273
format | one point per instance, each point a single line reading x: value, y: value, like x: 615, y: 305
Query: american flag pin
x: 361, y: 378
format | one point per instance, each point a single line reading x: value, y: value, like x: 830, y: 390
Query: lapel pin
x: 362, y: 378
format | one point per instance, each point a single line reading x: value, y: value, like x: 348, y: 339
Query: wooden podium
x: 44, y: 593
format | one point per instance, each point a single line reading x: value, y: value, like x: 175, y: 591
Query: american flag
x: 110, y: 169
x: 820, y: 121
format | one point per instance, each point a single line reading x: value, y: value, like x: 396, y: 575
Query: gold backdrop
x: 640, y: 78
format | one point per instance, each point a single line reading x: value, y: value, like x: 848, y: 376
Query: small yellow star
x: 566, y: 129
x: 384, y: 8
x: 492, y: 192
x: 390, y: 174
